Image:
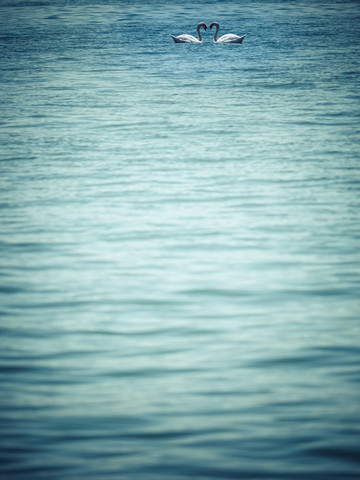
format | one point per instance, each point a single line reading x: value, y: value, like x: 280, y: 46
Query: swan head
x: 214, y: 24
x: 202, y: 24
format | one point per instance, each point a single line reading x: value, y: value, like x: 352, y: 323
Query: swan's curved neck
x: 198, y: 32
x: 216, y: 33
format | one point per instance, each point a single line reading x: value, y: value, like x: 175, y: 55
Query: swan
x: 228, y: 38
x: 190, y: 38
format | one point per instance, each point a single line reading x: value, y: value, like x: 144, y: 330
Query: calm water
x: 179, y: 238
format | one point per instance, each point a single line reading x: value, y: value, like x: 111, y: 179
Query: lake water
x: 180, y: 225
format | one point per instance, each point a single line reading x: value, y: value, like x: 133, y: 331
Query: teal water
x: 179, y: 282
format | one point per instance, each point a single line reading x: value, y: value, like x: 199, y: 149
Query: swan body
x: 228, y: 38
x: 185, y: 38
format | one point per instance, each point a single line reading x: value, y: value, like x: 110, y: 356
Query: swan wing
x: 231, y: 38
x: 185, y: 39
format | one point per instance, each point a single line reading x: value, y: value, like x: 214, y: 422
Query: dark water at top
x: 179, y: 282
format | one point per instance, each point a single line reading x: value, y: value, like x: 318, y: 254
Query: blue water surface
x: 180, y: 263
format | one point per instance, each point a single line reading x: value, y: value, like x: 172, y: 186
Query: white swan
x: 228, y: 38
x: 190, y: 38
